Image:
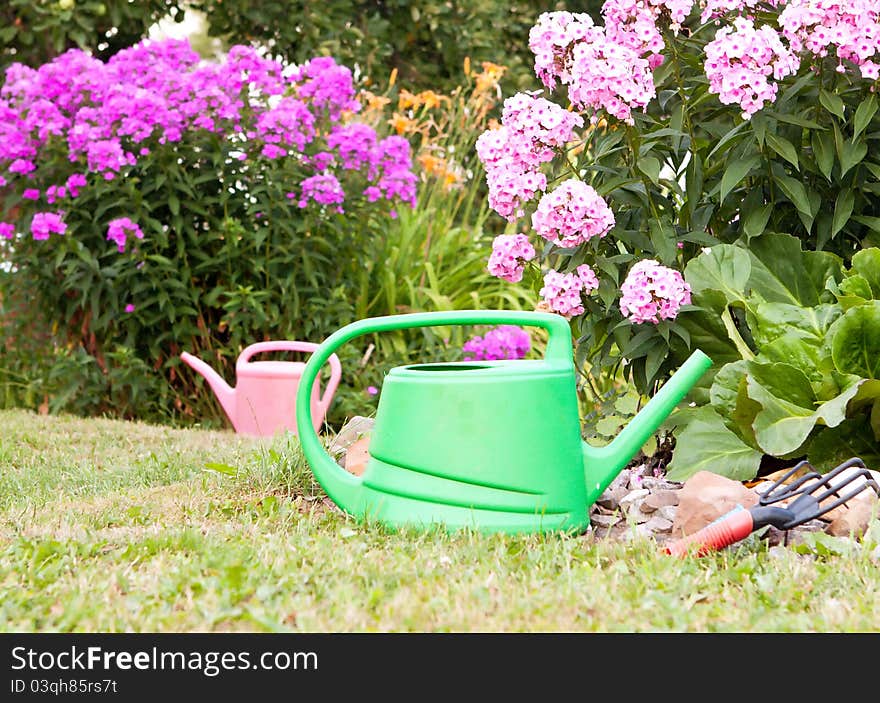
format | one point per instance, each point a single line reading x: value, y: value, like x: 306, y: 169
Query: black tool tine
x: 812, y: 509
x: 779, y: 490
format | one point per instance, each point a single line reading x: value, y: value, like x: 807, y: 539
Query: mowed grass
x: 110, y: 526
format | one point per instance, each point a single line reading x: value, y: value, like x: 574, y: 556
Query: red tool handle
x: 735, y: 526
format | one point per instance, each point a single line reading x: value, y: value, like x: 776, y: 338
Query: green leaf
x: 782, y: 272
x: 735, y: 172
x: 783, y: 147
x: 794, y: 190
x: 706, y: 444
x: 755, y: 221
x: 851, y: 154
x: 174, y: 206
x: 725, y: 387
x: 823, y: 148
x: 650, y: 167
x: 725, y: 268
x: 866, y: 263
x: 831, y: 102
x: 855, y: 341
x: 788, y: 413
x: 843, y: 208
x: 832, y: 446
x: 864, y: 113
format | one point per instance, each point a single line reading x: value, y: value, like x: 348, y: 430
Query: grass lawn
x: 110, y: 526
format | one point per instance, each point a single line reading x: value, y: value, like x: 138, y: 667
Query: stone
x: 660, y: 498
x: 598, y: 520
x: 357, y: 456
x: 610, y: 498
x: 667, y: 512
x: 659, y: 524
x: 856, y: 514
x: 632, y: 498
x: 705, y: 497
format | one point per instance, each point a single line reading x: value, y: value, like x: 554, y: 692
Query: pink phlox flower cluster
x: 606, y: 75
x: 355, y: 144
x: 633, y: 24
x: 600, y: 72
x: 531, y: 131
x: 572, y: 214
x: 714, y: 9
x: 394, y: 177
x: 327, y: 85
x: 563, y: 292
x: 324, y: 189
x: 119, y: 229
x: 45, y: 223
x: 7, y: 230
x: 289, y: 123
x: 508, y: 257
x: 551, y: 40
x: 652, y: 292
x: 502, y: 342
x: 850, y: 27
x: 740, y: 62
x: 108, y: 115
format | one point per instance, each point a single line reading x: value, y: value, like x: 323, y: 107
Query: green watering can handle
x: 344, y: 487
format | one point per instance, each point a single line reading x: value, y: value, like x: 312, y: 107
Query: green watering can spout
x: 491, y: 445
x: 603, y: 464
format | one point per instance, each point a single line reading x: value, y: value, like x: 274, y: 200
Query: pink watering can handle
x: 293, y: 345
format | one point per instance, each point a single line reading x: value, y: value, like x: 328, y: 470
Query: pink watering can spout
x: 264, y: 398
x: 224, y: 392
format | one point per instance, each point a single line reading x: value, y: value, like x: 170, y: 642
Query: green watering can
x: 489, y: 445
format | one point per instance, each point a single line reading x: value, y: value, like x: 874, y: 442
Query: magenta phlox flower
x: 324, y: 189
x: 509, y: 254
x: 502, y: 342
x: 119, y: 229
x: 31, y: 194
x: 7, y: 230
x: 44, y: 224
x: 326, y: 85
x: 652, y: 292
x: 572, y: 214
x: 563, y: 292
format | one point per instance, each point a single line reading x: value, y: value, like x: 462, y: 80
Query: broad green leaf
x: 823, y: 148
x: 856, y: 285
x: 870, y: 222
x: 725, y: 386
x: 831, y: 102
x: 793, y: 119
x: 783, y: 147
x: 735, y: 172
x: 834, y: 445
x: 853, y: 290
x: 782, y: 272
x: 706, y: 444
x: 773, y: 320
x: 725, y: 268
x: 843, y: 208
x: 864, y: 113
x: 787, y: 400
x: 855, y: 341
x: 866, y: 263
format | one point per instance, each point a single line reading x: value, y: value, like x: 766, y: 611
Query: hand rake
x: 806, y: 497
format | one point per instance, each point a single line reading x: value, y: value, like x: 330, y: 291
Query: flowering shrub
x: 502, y: 342
x: 158, y: 202
x: 669, y: 128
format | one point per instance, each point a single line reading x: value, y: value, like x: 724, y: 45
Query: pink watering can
x: 263, y: 401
